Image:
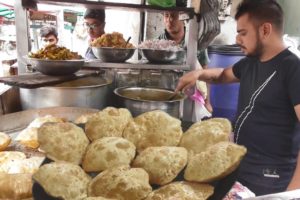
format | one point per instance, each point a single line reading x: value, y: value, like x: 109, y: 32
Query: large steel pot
x: 91, y: 92
x: 140, y: 99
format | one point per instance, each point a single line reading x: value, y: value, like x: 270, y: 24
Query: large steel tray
x: 15, y: 122
x: 221, y: 187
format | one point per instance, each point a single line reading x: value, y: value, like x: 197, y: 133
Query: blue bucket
x: 224, y: 97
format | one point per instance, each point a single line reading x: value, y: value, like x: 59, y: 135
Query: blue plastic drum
x: 224, y: 98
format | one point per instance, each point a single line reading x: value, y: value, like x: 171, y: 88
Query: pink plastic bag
x: 195, y: 95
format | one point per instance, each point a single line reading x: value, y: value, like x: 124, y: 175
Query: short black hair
x: 48, y: 30
x: 98, y: 14
x: 261, y: 11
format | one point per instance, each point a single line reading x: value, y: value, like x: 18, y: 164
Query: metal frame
x: 23, y: 28
x: 22, y: 35
x: 107, y: 5
x: 192, y: 32
x: 136, y: 65
x: 189, y: 111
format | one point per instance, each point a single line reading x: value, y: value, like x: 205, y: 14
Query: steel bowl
x: 56, y: 67
x: 140, y: 99
x: 116, y: 55
x: 164, y: 56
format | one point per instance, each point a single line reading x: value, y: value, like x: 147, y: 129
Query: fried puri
x: 204, y: 134
x: 109, y: 122
x: 215, y: 163
x: 163, y: 164
x: 122, y: 183
x: 63, y: 180
x: 182, y: 190
x: 28, y: 136
x: 63, y: 142
x: 108, y: 152
x: 154, y: 128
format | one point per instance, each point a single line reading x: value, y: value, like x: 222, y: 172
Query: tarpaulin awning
x: 7, y: 13
x: 7, y: 9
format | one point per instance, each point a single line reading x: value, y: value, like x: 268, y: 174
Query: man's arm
x: 295, y: 182
x: 213, y: 75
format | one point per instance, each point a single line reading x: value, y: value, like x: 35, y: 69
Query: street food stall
x: 137, y: 72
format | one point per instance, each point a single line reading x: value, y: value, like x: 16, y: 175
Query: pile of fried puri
x: 20, y: 158
x: 120, y: 157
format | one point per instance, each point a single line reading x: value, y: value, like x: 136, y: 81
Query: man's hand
x: 214, y: 75
x: 188, y: 80
x: 208, y: 106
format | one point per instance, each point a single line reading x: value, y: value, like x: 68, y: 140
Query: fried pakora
x: 114, y: 40
x: 54, y: 52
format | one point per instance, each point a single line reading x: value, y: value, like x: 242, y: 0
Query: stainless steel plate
x: 14, y: 122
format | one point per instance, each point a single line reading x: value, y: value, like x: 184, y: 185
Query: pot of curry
x: 141, y: 99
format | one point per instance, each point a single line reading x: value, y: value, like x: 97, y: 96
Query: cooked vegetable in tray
x: 114, y: 40
x: 54, y: 52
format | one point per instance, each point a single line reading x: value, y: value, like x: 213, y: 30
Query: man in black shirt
x: 269, y: 99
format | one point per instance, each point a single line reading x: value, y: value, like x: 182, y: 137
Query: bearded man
x: 268, y: 112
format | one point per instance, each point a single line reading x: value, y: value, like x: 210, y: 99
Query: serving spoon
x: 127, y: 42
x: 172, y: 97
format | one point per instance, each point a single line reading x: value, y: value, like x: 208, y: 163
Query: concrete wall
x: 154, y: 25
x: 292, y: 16
x: 235, y: 3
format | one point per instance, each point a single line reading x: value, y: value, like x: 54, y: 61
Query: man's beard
x: 258, y: 51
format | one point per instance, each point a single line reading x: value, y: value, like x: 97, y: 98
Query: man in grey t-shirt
x: 175, y: 30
